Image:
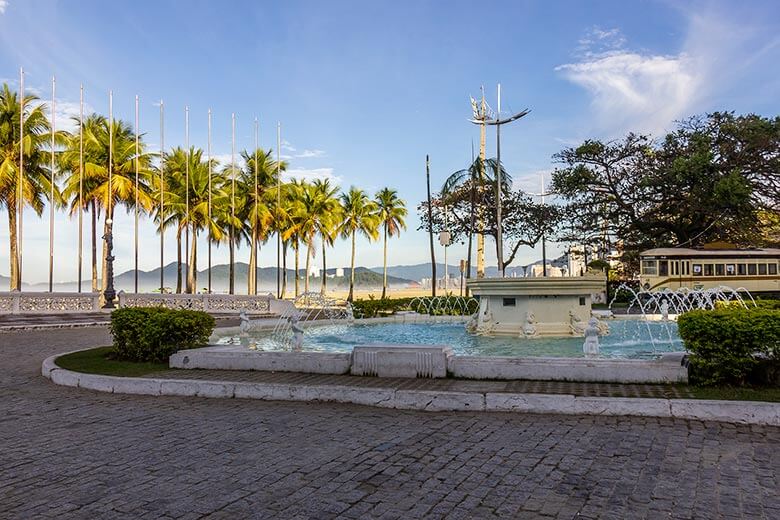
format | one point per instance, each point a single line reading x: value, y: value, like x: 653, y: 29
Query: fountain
x: 531, y: 307
x: 306, y: 309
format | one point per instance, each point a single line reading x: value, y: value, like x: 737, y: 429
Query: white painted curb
x: 742, y: 412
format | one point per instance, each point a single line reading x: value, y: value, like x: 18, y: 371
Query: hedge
x: 372, y: 307
x: 153, y: 334
x: 732, y: 346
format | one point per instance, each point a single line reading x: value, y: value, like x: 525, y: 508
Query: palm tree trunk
x: 384, y: 270
x: 93, y: 211
x: 297, y: 247
x: 308, y: 260
x: 251, y: 279
x: 15, y: 284
x: 104, y: 280
x: 178, y: 260
x: 352, y: 272
x: 284, y: 268
x: 232, y: 269
x: 323, y: 285
x: 192, y: 272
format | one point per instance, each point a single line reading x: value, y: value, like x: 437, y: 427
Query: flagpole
x: 20, y: 182
x: 254, y: 222
x: 136, y: 195
x: 209, y: 208
x: 188, y: 285
x: 162, y: 194
x: 81, y: 178
x: 278, y: 208
x: 51, y: 187
x: 232, y: 198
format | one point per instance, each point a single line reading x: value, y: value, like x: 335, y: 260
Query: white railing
x: 15, y: 302
x: 201, y: 302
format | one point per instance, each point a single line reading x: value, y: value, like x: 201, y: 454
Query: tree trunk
x: 15, y: 283
x: 284, y: 269
x: 232, y: 267
x: 94, y: 247
x: 104, y: 280
x: 192, y: 271
x: 178, y: 260
x: 251, y: 279
x: 352, y: 272
x: 297, y: 247
x: 308, y: 260
x: 323, y: 285
x: 384, y: 268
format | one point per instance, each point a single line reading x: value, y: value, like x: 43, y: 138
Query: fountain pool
x: 628, y: 339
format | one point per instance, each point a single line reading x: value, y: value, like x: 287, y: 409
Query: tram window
x: 772, y: 268
x: 707, y: 269
x: 719, y: 271
x: 687, y: 267
x: 761, y: 268
x: 696, y: 269
x: 663, y: 268
x: 741, y: 269
x: 648, y: 267
x: 751, y: 268
x: 730, y: 269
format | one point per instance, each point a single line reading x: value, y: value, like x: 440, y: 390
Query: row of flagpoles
x: 20, y: 199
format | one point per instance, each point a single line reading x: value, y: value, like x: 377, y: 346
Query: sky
x: 364, y: 90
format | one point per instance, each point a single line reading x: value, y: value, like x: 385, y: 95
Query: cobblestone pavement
x: 72, y: 453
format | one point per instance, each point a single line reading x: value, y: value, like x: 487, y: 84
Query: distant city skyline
x: 365, y: 90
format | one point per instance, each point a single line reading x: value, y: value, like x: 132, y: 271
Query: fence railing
x: 29, y: 302
x: 15, y: 302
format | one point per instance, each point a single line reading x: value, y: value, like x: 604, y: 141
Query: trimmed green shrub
x: 729, y: 345
x: 372, y: 308
x: 153, y: 334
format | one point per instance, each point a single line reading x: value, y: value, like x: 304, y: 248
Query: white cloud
x: 310, y: 174
x: 310, y: 153
x: 286, y: 145
x: 3, y: 6
x: 641, y: 91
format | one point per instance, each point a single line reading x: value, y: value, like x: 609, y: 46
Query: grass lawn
x: 730, y: 393
x: 98, y: 361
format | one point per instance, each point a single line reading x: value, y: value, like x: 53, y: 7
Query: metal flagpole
x: 232, y: 196
x: 51, y: 189
x: 188, y: 286
x: 254, y: 222
x: 81, y: 177
x: 162, y: 194
x: 136, y: 195
x: 278, y: 207
x: 209, y: 208
x: 446, y: 245
x: 20, y: 182
x: 544, y: 239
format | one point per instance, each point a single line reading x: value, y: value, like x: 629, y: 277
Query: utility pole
x: 430, y: 227
x: 480, y: 114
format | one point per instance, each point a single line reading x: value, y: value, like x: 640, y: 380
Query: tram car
x: 753, y: 269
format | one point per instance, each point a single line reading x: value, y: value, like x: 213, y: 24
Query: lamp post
x: 109, y: 293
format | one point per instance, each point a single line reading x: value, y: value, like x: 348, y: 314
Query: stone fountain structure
x: 533, y: 307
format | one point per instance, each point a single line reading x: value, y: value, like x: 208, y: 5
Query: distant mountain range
x: 365, y: 278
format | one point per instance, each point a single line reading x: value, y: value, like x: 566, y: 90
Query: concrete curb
x: 53, y: 326
x: 742, y: 412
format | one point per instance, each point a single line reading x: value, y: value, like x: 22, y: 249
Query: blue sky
x: 364, y: 90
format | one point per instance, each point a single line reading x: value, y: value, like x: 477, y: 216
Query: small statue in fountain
x: 591, y: 346
x: 297, y: 332
x: 665, y: 310
x: 529, y: 328
x: 246, y: 323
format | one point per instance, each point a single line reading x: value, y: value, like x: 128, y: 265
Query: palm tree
x: 36, y: 182
x: 257, y: 182
x: 391, y: 212
x: 328, y: 221
x: 319, y: 208
x: 291, y: 221
x: 360, y: 216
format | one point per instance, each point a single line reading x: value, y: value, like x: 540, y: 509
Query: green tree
x: 391, y: 211
x: 36, y: 180
x: 359, y: 216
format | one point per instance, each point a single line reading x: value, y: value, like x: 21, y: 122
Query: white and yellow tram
x: 753, y: 269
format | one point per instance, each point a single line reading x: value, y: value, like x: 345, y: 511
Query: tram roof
x: 711, y: 253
